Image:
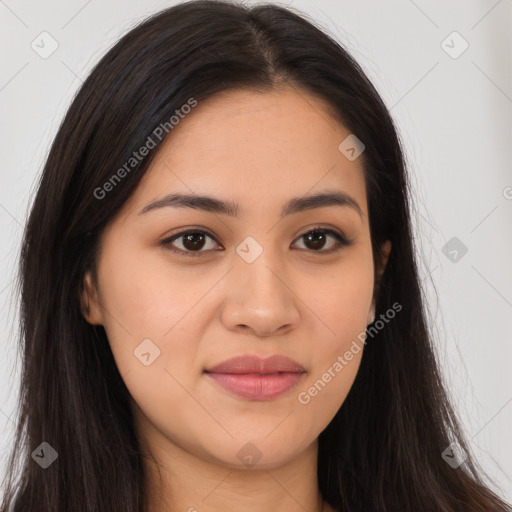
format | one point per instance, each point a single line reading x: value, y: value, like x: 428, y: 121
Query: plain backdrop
x: 452, y: 106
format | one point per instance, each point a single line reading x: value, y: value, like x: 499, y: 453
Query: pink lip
x: 256, y: 378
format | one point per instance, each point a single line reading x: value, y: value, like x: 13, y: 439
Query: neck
x: 191, y: 484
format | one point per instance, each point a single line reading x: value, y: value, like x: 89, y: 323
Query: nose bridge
x: 260, y: 297
x: 259, y: 270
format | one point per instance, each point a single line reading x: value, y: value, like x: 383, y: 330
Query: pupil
x: 193, y: 241
x: 317, y: 238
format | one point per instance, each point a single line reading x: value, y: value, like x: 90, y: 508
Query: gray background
x: 454, y: 116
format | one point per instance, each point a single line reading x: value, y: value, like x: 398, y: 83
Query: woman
x: 220, y: 301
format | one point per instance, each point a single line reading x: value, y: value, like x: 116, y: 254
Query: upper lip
x: 254, y: 364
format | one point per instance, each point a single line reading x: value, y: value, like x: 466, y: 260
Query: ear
x: 90, y: 303
x: 385, y: 250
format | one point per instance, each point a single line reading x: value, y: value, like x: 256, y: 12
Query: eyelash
x: 341, y: 241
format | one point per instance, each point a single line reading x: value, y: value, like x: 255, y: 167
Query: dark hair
x: 382, y: 451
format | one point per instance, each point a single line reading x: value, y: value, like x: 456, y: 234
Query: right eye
x: 192, y: 242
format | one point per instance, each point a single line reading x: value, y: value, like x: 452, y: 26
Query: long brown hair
x: 383, y: 449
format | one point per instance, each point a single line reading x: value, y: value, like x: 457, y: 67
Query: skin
x: 258, y: 150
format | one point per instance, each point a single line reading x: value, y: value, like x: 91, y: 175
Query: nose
x: 260, y: 299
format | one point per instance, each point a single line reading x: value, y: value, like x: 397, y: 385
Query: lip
x: 255, y: 378
x: 254, y: 364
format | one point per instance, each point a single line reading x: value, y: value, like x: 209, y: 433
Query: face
x: 182, y: 287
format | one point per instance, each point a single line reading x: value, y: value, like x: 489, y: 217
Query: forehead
x: 255, y: 148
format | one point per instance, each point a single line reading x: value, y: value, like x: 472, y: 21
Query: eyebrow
x: 214, y: 205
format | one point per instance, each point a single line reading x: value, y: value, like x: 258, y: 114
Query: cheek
x: 153, y: 330
x: 340, y: 300
x: 340, y: 303
x: 325, y: 391
x: 143, y: 301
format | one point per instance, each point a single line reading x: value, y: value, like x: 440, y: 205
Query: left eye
x: 194, y: 240
x: 317, y: 238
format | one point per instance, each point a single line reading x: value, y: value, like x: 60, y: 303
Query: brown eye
x: 316, y: 239
x: 192, y: 242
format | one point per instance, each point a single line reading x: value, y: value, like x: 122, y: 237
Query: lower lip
x: 256, y: 386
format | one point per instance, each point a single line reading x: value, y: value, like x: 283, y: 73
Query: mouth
x: 254, y: 378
